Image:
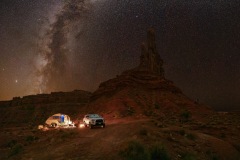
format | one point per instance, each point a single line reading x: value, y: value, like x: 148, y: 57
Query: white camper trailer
x: 59, y: 120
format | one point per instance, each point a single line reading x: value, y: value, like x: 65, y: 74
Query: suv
x: 91, y: 120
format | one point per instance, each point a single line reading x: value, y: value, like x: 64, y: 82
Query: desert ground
x: 129, y: 138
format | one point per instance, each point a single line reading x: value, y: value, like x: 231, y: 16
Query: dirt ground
x: 217, y: 139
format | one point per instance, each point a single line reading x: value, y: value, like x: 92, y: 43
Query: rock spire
x: 150, y: 60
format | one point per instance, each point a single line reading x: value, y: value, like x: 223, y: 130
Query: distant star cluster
x: 63, y: 45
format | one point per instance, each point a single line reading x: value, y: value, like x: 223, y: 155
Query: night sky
x: 62, y: 45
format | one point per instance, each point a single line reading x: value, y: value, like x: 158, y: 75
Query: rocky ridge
x: 144, y: 90
x: 149, y: 74
x: 35, y: 109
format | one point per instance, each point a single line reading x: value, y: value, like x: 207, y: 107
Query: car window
x: 94, y: 116
x: 55, y: 117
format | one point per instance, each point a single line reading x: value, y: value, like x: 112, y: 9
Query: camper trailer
x: 59, y: 120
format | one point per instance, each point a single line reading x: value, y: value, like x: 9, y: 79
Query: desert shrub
x: 148, y: 113
x: 31, y: 138
x: 67, y: 134
x: 157, y: 106
x: 191, y: 136
x: 223, y: 135
x: 185, y: 116
x: 143, y: 132
x: 188, y: 156
x: 159, y: 123
x: 138, y: 102
x: 117, y: 114
x: 182, y: 132
x: 158, y: 152
x: 30, y: 107
x: 237, y: 146
x: 134, y: 151
x: 212, y: 155
x: 11, y: 143
x: 16, y: 150
x: 34, y: 130
x: 131, y: 111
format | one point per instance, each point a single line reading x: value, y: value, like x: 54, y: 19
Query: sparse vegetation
x: 212, y: 155
x: 185, y: 116
x: 191, y: 136
x: 138, y: 102
x: 67, y: 134
x: 148, y: 113
x: 16, y: 149
x: 30, y: 108
x: 223, y: 135
x: 143, y: 132
x: 188, y: 156
x: 31, y: 138
x: 134, y: 151
x: 237, y: 146
x: 158, y: 152
x: 157, y: 106
x: 130, y: 109
x: 159, y: 124
x: 182, y: 132
x: 11, y: 143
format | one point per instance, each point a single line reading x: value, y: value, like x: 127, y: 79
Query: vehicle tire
x: 90, y: 126
x: 54, y: 125
x: 85, y: 124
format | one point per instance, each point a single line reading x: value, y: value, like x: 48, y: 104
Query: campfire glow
x: 81, y: 125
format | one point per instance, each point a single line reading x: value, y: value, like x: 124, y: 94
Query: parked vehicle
x: 91, y: 120
x: 59, y: 120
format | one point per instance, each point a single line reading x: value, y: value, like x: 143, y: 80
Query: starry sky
x: 62, y: 45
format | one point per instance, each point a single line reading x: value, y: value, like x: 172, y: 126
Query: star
x: 51, y: 43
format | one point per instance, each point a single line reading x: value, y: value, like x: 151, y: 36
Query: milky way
x: 77, y: 44
x: 53, y: 72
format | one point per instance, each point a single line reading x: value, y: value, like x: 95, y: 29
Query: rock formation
x: 150, y: 60
x: 144, y: 90
x: 149, y: 74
